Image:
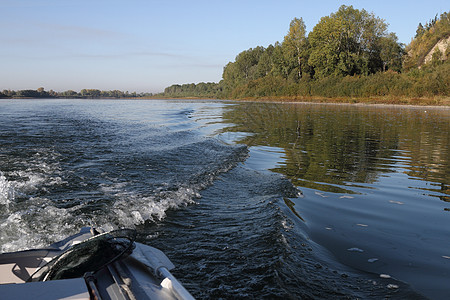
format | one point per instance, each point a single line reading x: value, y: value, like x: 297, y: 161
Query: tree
x: 281, y: 65
x: 347, y: 43
x: 90, y: 93
x: 295, y: 42
x: 420, y: 30
x: 246, y: 62
x: 266, y: 63
x: 41, y: 93
x: 27, y: 94
x: 69, y: 94
x: 244, y: 69
x: 437, y: 57
x: 391, y: 53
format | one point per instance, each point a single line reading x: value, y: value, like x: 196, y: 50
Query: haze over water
x: 249, y: 200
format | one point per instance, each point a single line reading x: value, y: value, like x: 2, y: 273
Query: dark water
x: 248, y: 200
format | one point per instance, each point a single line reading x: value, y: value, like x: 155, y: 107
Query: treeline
x: 426, y: 38
x: 83, y: 94
x: 204, y: 90
x: 349, y: 53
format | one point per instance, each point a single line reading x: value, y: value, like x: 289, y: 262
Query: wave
x: 241, y: 239
x: 7, y: 191
x: 187, y: 170
x: 46, y: 202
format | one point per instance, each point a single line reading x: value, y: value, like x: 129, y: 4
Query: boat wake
x: 43, y: 203
x: 230, y: 226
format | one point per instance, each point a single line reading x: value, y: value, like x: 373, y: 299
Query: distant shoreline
x: 437, y: 101
x: 361, y: 104
x: 381, y: 101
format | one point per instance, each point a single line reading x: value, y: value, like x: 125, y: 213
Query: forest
x: 347, y: 55
x: 83, y: 94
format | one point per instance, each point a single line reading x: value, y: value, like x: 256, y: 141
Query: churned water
x: 249, y: 200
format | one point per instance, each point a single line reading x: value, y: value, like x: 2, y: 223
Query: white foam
x: 131, y: 210
x: 113, y: 188
x: 354, y: 249
x: 7, y: 191
x: 38, y: 224
x: 392, y: 286
x: 31, y: 183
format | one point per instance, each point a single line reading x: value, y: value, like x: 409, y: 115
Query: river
x: 249, y: 200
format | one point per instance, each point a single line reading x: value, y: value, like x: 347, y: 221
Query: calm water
x: 248, y: 200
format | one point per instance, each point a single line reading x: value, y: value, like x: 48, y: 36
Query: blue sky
x: 145, y: 46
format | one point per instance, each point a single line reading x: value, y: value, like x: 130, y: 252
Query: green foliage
x: 28, y: 94
x: 202, y: 90
x: 430, y: 80
x: 426, y: 82
x: 246, y: 67
x: 348, y: 42
x: 69, y: 94
x: 420, y: 30
x: 295, y: 45
x: 90, y: 93
x: 391, y: 53
x: 84, y: 93
x: 348, y: 54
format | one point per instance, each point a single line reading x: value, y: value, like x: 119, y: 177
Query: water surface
x: 249, y: 200
x: 375, y: 181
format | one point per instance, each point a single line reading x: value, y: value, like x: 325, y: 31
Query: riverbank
x: 437, y: 101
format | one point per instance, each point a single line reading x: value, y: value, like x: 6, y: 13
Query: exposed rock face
x: 442, y: 45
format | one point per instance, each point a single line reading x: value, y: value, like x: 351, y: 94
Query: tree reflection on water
x: 335, y: 147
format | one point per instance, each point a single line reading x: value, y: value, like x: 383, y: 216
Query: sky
x: 145, y: 46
